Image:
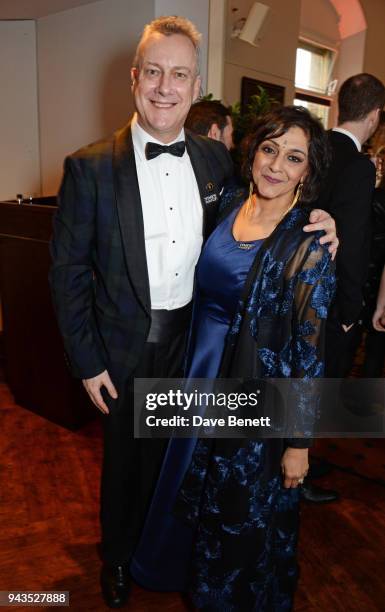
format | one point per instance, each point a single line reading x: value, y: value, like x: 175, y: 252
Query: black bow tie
x: 153, y: 149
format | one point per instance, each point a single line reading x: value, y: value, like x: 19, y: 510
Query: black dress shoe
x: 115, y: 584
x: 317, y: 495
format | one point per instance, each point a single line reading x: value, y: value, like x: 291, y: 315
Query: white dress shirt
x: 173, y: 221
x: 350, y: 135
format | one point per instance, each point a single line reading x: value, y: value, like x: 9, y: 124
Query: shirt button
x: 176, y: 273
x: 167, y: 173
x: 171, y: 208
x: 173, y: 241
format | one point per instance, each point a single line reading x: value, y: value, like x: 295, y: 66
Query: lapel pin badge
x: 210, y: 198
x: 210, y: 186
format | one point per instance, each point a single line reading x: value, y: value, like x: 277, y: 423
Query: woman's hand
x: 321, y: 220
x: 295, y: 466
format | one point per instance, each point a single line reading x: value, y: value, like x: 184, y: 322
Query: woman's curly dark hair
x: 276, y: 123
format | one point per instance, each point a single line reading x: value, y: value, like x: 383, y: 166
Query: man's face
x: 165, y: 84
x: 227, y: 134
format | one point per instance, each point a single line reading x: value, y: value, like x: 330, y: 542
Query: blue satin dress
x: 162, y: 558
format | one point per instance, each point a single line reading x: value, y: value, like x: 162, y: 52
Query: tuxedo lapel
x: 130, y: 214
x: 208, y: 189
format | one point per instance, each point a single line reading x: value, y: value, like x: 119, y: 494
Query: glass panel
x: 319, y: 110
x: 313, y: 68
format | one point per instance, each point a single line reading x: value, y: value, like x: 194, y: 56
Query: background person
x: 347, y: 194
x: 374, y: 354
x: 211, y: 118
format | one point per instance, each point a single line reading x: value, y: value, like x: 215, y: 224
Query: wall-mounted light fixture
x: 249, y: 28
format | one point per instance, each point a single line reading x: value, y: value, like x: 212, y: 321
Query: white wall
x: 19, y: 148
x: 273, y: 60
x: 216, y: 48
x: 198, y: 12
x: 84, y: 58
x: 319, y: 22
x: 351, y: 57
x: 374, y: 59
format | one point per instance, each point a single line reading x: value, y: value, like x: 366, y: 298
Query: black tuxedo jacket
x: 99, y: 276
x: 347, y: 194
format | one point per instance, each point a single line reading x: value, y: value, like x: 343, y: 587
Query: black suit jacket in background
x: 99, y: 276
x: 347, y: 193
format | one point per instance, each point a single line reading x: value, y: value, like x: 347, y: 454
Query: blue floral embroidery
x: 245, y: 555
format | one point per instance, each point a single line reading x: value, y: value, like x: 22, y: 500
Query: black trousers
x: 340, y: 348
x: 131, y: 467
x: 373, y: 366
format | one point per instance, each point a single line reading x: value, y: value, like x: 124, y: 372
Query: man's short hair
x: 204, y: 114
x: 358, y: 96
x: 171, y: 24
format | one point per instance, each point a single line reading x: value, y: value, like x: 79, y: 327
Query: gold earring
x: 294, y: 202
x: 249, y: 204
x: 297, y: 196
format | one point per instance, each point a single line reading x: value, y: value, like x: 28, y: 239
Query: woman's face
x: 281, y: 163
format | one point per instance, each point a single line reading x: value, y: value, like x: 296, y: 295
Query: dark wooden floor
x: 49, y: 520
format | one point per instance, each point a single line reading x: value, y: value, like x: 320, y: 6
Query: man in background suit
x: 133, y: 212
x: 347, y: 194
x: 211, y: 118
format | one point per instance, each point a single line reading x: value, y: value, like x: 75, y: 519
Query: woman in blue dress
x: 223, y: 522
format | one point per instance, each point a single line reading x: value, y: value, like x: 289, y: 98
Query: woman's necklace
x: 246, y: 246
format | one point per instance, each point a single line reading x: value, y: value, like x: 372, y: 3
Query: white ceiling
x: 33, y: 9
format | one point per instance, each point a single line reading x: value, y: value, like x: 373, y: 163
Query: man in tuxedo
x: 133, y: 212
x: 347, y: 195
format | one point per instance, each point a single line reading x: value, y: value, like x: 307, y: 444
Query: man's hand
x: 295, y: 466
x: 93, y: 386
x: 321, y: 220
x: 378, y: 319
